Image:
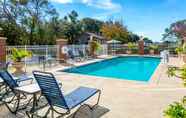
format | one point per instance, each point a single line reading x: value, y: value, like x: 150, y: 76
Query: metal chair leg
x: 46, y: 114
x: 75, y: 113
x: 99, y: 92
x: 90, y: 107
x: 52, y: 113
x: 61, y: 115
x: 16, y: 106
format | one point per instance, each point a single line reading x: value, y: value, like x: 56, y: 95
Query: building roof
x: 113, y: 41
x: 95, y: 35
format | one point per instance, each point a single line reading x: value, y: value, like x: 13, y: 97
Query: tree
x: 30, y: 22
x: 26, y: 18
x: 115, y: 30
x: 71, y: 27
x: 147, y: 40
x: 38, y: 11
x: 133, y: 37
x: 176, y: 31
x: 15, y: 34
x: 91, y: 25
x: 10, y: 12
x: 53, y: 30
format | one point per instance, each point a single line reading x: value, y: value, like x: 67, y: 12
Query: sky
x: 147, y: 18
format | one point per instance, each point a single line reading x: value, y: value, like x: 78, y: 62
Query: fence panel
x: 37, y: 51
x: 85, y: 48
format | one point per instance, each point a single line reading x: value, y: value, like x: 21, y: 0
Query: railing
x: 53, y: 50
x: 122, y: 49
x: 37, y: 52
x: 44, y: 56
x: 35, y: 49
x: 39, y: 55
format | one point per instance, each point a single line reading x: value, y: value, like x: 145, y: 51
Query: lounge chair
x: 56, y: 98
x: 4, y: 65
x: 88, y: 54
x: 19, y: 80
x: 82, y: 55
x: 11, y: 96
x: 72, y: 56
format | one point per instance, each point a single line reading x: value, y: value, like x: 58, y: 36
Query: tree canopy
x: 71, y: 27
x: 147, y: 40
x: 24, y: 21
x: 133, y: 37
x: 36, y: 22
x: 175, y: 31
x: 115, y: 30
x: 91, y: 25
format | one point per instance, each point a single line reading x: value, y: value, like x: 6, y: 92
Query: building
x: 87, y: 36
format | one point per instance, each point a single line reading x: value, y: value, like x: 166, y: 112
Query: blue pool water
x: 126, y: 68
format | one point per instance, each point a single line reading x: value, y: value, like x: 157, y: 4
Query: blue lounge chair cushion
x: 79, y: 95
x: 54, y: 95
x: 8, y: 79
x: 23, y: 77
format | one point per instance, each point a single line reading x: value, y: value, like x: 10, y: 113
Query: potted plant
x: 179, y: 51
x: 153, y: 48
x: 17, y: 56
x: 130, y: 46
x: 94, y: 47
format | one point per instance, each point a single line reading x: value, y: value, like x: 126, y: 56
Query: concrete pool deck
x: 128, y: 99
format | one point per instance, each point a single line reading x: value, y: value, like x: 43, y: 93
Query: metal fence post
x: 46, y: 51
x: 25, y: 58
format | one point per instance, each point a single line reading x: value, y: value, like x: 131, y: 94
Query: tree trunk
x: 31, y: 33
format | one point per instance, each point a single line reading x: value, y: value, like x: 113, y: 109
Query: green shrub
x: 184, y: 48
x: 94, y: 46
x: 131, y: 46
x: 175, y: 110
x: 179, y: 50
x: 178, y: 72
x: 153, y: 47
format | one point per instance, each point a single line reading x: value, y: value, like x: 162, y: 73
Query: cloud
x: 107, y: 15
x: 63, y: 1
x: 101, y: 4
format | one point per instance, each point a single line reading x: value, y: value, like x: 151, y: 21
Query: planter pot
x: 184, y: 58
x: 129, y: 52
x: 93, y: 54
x: 18, y: 68
x: 152, y: 52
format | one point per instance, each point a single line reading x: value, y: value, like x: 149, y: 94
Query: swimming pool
x: 127, y: 68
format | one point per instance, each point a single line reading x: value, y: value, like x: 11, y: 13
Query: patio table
x: 3, y: 87
x: 34, y: 90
